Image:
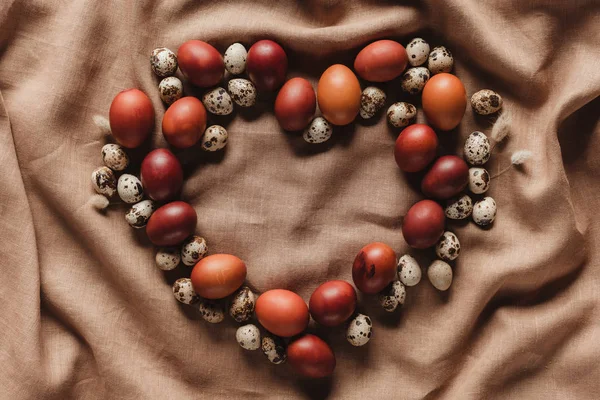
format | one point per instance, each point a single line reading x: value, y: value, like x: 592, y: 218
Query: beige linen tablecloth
x: 85, y: 313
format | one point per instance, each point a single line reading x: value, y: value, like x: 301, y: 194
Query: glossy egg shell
x: 311, y: 357
x: 295, y: 104
x: 201, y: 63
x: 374, y: 267
x: 423, y: 224
x: 338, y: 94
x: 416, y: 147
x: 266, y: 65
x: 332, y: 303
x: 184, y: 122
x: 447, y: 177
x: 131, y: 117
x: 444, y: 101
x: 171, y: 224
x: 381, y: 61
x: 282, y: 312
x: 161, y: 175
x: 218, y: 276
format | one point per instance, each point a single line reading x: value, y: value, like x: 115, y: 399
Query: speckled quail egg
x: 414, y: 80
x: 401, y: 114
x: 212, y: 311
x: 163, y: 62
x: 448, y: 247
x: 371, y: 101
x: 170, y: 89
x: 274, y: 348
x: 217, y: 101
x: 193, y: 250
x: 409, y: 271
x: 477, y: 148
x: 392, y: 296
x: 484, y: 211
x: 359, y: 330
x: 440, y: 275
x: 486, y: 101
x: 184, y: 291
x: 130, y: 189
x: 418, y: 51
x: 440, y: 60
x: 115, y: 157
x: 248, y: 336
x: 235, y: 58
x: 242, y: 304
x: 318, y: 131
x: 139, y: 213
x: 459, y: 207
x: 104, y: 181
x: 242, y: 91
x: 479, y: 180
x: 167, y: 258
x: 214, y: 138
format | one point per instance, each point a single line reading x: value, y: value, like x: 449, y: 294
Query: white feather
x: 102, y: 123
x: 501, y: 128
x: 99, y: 202
x: 520, y: 156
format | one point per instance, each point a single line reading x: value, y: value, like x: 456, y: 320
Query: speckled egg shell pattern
x: 484, y: 211
x: 139, y: 214
x: 104, y: 181
x: 115, y: 157
x: 359, y: 330
x: 319, y: 131
x: 193, y: 250
x: 170, y: 89
x: 409, y: 271
x: 130, y: 189
x: 167, y: 258
x: 242, y: 91
x: 440, y: 60
x: 418, y: 52
x: 248, y: 336
x: 477, y: 148
x: 459, y: 207
x: 440, y: 275
x: 479, y: 180
x: 448, y: 247
x: 235, y: 58
x: 371, y: 101
x: 486, y: 102
x: 214, y: 138
x: 242, y: 304
x: 163, y: 62
x: 414, y: 80
x: 401, y: 114
x: 184, y: 291
x: 392, y: 296
x: 217, y: 101
x: 274, y: 349
x: 212, y: 311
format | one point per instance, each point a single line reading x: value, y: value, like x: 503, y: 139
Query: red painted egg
x: 171, y: 224
x: 374, y: 267
x: 332, y: 303
x: 448, y: 176
x: 295, y: 104
x: 161, y: 175
x: 266, y: 64
x: 218, y: 276
x: 282, y: 312
x: 131, y: 118
x: 415, y: 148
x: 311, y: 357
x: 423, y: 224
x: 381, y: 61
x: 201, y: 63
x: 184, y: 122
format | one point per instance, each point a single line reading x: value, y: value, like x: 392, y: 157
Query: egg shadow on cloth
x: 315, y: 388
x: 576, y: 131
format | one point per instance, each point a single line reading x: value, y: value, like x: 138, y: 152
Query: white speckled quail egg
x: 193, y: 250
x: 235, y: 58
x: 409, y: 271
x: 242, y: 91
x: 440, y: 275
x: 448, y: 247
x: 392, y: 296
x: 318, y: 131
x: 115, y: 157
x: 484, y: 211
x: 459, y: 207
x: 486, y: 101
x: 477, y: 148
x: 248, y: 336
x: 242, y: 304
x: 130, y: 188
x: 274, y: 348
x: 167, y: 258
x: 163, y: 62
x: 479, y: 180
x: 217, y: 101
x: 418, y: 51
x: 184, y: 291
x: 104, y: 181
x: 139, y: 213
x: 440, y: 60
x: 359, y: 330
x: 170, y: 89
x: 414, y: 80
x: 401, y: 114
x: 214, y: 138
x: 212, y: 311
x: 371, y: 101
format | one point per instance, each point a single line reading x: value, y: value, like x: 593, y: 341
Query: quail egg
x: 479, y: 180
x: 401, y: 114
x: 274, y: 348
x: 409, y: 271
x: 193, y: 250
x: 459, y: 207
x: 130, y: 189
x: 212, y: 311
x: 115, y: 157
x: 484, y: 211
x: 359, y: 330
x: 414, y: 79
x: 392, y: 296
x: 235, y: 58
x: 242, y: 304
x: 448, y: 247
x: 486, y: 101
x: 217, y: 101
x: 170, y: 89
x: 214, y: 138
x: 242, y: 91
x: 163, y: 62
x: 318, y: 131
x: 184, y: 291
x: 440, y: 60
x: 139, y: 213
x: 167, y: 258
x: 477, y: 148
x: 418, y: 51
x: 440, y: 275
x: 104, y: 181
x: 248, y: 336
x: 371, y: 101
